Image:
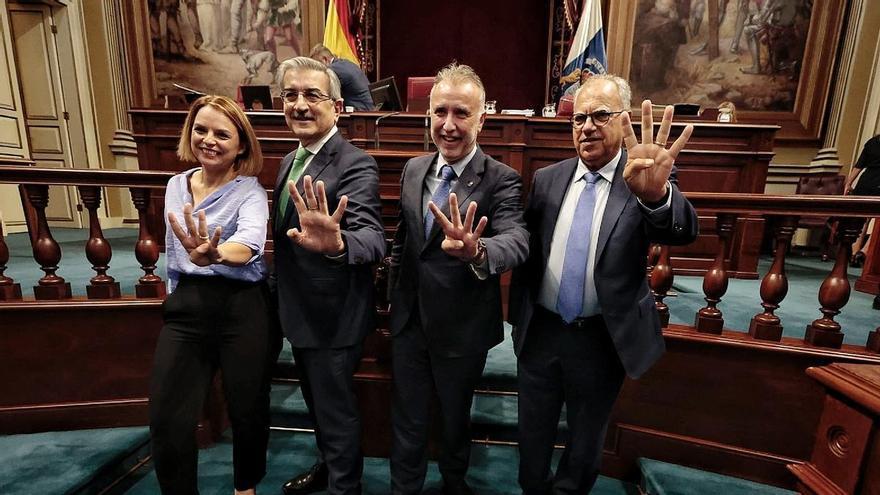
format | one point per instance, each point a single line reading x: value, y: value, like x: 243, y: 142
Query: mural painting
x: 214, y: 46
x: 760, y: 45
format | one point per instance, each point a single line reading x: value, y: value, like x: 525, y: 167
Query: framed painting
x: 773, y: 59
x: 214, y: 46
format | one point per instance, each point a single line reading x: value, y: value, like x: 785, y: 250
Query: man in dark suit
x: 323, y: 277
x: 582, y: 311
x: 445, y: 290
x: 355, y: 85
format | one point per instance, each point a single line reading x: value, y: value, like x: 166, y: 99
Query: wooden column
x: 835, y: 289
x: 146, y: 250
x: 47, y: 252
x: 661, y: 282
x: 98, y: 250
x: 869, y: 281
x: 774, y: 287
x: 709, y: 318
x: 9, y: 290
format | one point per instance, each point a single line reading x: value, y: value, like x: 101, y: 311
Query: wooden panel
x: 80, y: 357
x: 415, y: 44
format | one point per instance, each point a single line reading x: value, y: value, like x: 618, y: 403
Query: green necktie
x: 299, y: 163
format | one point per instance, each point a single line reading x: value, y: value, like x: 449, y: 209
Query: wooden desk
x: 718, y: 158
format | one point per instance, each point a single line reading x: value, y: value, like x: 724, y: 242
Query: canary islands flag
x: 587, y: 51
x: 337, y: 36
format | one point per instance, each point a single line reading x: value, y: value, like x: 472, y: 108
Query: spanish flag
x: 337, y: 37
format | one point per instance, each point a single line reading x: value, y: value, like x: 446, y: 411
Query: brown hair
x: 250, y: 161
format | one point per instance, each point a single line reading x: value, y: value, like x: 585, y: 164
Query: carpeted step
x: 493, y: 469
x: 82, y: 461
x: 663, y: 478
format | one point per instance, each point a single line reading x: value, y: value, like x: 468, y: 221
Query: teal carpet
x: 661, y: 478
x: 74, y: 266
x: 63, y: 462
x: 493, y: 470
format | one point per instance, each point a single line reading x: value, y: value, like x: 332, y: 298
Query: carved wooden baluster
x: 146, y: 250
x: 9, y: 290
x: 774, y: 286
x: 661, y: 282
x: 709, y: 319
x: 835, y: 289
x: 98, y: 250
x: 653, y: 256
x: 47, y: 252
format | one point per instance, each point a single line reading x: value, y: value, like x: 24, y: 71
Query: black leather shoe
x: 313, y: 480
x: 457, y: 488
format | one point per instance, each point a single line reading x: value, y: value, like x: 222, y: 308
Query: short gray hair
x: 306, y: 63
x: 623, y: 89
x: 456, y: 73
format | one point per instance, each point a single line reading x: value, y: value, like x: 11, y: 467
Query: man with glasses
x: 327, y: 233
x: 445, y: 281
x: 582, y: 311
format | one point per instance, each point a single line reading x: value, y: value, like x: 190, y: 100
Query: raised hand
x: 461, y: 238
x: 319, y: 231
x: 201, y: 247
x: 649, y: 164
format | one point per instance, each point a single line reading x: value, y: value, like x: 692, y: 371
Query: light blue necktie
x: 440, y: 197
x: 570, y: 302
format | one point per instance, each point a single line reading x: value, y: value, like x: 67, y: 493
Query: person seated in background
x: 217, y: 312
x: 355, y: 85
x: 865, y: 174
x: 727, y: 112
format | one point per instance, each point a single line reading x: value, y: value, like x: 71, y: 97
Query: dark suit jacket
x: 624, y: 235
x: 325, y: 303
x: 355, y: 85
x: 460, y: 314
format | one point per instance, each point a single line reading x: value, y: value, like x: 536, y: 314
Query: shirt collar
x: 315, y: 147
x: 457, y: 166
x: 607, y: 172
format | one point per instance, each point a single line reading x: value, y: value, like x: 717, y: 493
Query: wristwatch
x: 481, y: 253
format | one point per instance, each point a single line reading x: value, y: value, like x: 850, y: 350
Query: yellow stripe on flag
x: 336, y: 35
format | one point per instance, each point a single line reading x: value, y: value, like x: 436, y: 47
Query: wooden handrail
x: 794, y: 204
x: 17, y: 174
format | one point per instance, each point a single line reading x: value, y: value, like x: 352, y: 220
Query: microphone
x: 376, y: 131
x: 427, y: 134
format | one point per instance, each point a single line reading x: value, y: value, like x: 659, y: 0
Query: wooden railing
x: 35, y: 182
x: 782, y: 212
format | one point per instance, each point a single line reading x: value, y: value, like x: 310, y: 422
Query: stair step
x: 663, y: 478
x: 81, y: 461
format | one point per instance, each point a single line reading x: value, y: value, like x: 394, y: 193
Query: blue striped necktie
x: 570, y: 302
x: 440, y: 197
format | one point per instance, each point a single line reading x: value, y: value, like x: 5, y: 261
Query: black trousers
x: 418, y: 373
x: 210, y: 323
x: 328, y: 388
x: 572, y: 364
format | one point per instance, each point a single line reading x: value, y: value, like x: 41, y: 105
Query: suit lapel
x: 413, y: 190
x: 324, y: 157
x: 464, y: 187
x: 617, y: 200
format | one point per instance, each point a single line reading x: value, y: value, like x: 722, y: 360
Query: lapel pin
x: 470, y: 183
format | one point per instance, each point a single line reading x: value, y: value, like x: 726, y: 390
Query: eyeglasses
x: 599, y: 118
x: 312, y: 96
